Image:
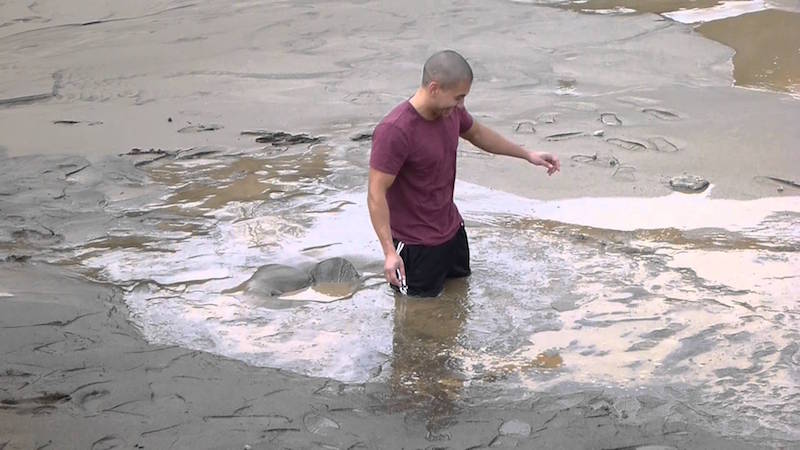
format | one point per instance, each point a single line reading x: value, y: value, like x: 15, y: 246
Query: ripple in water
x: 557, y: 295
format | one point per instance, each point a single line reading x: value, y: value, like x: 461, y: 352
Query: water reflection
x: 426, y: 371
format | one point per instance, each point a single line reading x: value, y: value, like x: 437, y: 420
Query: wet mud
x: 168, y: 280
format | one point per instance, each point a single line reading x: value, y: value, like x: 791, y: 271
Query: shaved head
x: 447, y: 68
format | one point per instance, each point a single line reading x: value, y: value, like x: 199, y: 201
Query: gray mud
x: 155, y: 155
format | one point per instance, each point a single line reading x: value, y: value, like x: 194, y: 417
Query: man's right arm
x: 379, y: 183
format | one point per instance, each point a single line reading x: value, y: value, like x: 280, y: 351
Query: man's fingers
x: 395, y: 276
x: 554, y: 165
x: 391, y: 277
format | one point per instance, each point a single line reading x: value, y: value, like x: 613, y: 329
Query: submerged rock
x: 318, y: 424
x: 332, y: 280
x: 688, y: 183
x: 610, y: 119
x: 335, y: 270
x: 526, y: 126
x: 273, y: 280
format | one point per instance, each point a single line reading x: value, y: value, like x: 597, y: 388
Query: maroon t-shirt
x: 422, y: 155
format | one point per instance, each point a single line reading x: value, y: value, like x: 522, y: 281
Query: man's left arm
x: 491, y: 141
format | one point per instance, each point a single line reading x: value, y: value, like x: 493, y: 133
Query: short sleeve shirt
x: 421, y: 154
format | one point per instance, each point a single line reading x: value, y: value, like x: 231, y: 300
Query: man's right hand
x: 392, y: 264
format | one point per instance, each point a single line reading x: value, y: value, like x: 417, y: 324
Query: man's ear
x: 434, y: 88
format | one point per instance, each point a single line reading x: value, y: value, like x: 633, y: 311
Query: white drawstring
x: 403, y: 285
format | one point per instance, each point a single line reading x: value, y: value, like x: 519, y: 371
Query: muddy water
x: 694, y: 304
x: 767, y: 45
x: 652, y: 6
x: 765, y: 35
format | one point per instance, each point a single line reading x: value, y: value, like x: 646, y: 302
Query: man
x: 412, y: 175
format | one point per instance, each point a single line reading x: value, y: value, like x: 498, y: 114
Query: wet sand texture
x: 156, y: 155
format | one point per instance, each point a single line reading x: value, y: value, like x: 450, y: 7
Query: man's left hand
x: 546, y: 160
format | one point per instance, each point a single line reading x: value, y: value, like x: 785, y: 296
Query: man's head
x: 446, y: 79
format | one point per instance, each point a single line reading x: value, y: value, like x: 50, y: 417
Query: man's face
x: 447, y: 99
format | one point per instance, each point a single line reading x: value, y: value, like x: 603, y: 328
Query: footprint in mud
x: 596, y: 160
x: 547, y: 117
x: 108, y: 443
x: 661, y: 114
x: 610, y: 119
x: 319, y: 424
x: 91, y: 400
x: 304, y: 44
x: 622, y: 172
x: 563, y: 136
x: 661, y: 144
x: 525, y: 127
x: 627, y: 144
x: 200, y: 128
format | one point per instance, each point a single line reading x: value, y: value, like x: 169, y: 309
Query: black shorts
x: 427, y: 267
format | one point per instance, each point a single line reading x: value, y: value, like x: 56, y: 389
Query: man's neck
x: 420, y: 102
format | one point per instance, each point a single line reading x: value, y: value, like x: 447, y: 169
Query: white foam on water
x: 722, y: 11
x: 606, y: 12
x: 676, y: 210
